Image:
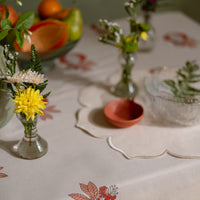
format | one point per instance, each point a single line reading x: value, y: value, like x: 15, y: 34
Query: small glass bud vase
x: 31, y: 146
x: 149, y: 43
x: 126, y: 87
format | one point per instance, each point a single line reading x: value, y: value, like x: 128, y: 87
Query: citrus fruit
x: 47, y: 8
x: 13, y: 16
x: 61, y: 15
x: 46, y: 35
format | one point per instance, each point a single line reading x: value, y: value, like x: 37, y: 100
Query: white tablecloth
x: 74, y: 156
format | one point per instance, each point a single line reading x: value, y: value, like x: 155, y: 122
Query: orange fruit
x: 47, y: 8
x: 13, y: 16
x: 61, y: 14
x: 46, y: 35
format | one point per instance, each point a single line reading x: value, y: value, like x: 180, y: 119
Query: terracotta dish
x: 123, y: 113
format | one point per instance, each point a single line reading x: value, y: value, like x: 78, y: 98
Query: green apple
x: 74, y: 24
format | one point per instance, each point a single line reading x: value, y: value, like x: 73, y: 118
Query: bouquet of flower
x: 25, y: 86
x: 112, y: 33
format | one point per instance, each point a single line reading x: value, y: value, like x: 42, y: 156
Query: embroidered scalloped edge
x: 109, y: 140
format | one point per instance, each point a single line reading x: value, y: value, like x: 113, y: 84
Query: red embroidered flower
x: 102, y: 190
x: 104, y: 193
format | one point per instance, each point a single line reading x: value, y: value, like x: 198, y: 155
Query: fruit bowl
x: 54, y: 30
x: 46, y: 57
x: 164, y: 106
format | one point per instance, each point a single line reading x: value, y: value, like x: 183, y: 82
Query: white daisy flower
x: 27, y: 77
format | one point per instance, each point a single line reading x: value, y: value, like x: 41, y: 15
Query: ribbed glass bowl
x: 166, y: 108
x: 46, y: 57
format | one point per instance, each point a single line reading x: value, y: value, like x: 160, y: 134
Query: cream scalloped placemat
x: 147, y: 139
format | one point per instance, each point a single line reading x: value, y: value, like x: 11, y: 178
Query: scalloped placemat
x: 148, y: 138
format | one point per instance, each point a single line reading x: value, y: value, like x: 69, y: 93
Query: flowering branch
x: 113, y: 35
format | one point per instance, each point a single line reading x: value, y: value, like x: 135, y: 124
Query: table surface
x: 75, y: 157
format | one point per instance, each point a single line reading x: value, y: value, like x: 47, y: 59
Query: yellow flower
x: 144, y: 35
x: 29, y: 102
x: 128, y: 39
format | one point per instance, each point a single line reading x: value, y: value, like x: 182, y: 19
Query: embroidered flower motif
x: 180, y: 39
x: 29, y: 102
x: 76, y: 61
x: 49, y: 109
x: 2, y: 175
x: 26, y: 76
x: 103, y: 193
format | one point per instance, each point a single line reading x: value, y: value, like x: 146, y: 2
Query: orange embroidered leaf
x: 52, y: 109
x: 93, y: 190
x: 84, y: 188
x: 2, y: 175
x: 79, y: 197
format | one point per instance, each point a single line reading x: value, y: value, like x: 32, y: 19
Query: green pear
x: 74, y: 24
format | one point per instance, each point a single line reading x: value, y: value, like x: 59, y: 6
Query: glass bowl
x: 46, y: 57
x: 166, y: 108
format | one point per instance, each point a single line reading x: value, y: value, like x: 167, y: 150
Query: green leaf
x: 25, y: 21
x: 3, y: 34
x: 144, y: 27
x: 46, y: 95
x: 130, y: 47
x: 19, y: 38
x: 35, y: 64
x: 7, y: 12
x: 2, y: 1
x: 181, y: 74
x: 6, y: 24
x: 170, y: 83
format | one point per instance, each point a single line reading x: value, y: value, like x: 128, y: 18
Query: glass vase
x: 6, y: 107
x: 31, y: 146
x: 126, y: 87
x: 149, y: 43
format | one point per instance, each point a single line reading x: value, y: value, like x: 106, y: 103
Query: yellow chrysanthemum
x: 144, y: 35
x: 29, y: 102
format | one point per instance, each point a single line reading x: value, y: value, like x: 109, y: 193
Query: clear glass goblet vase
x: 31, y: 146
x: 149, y: 43
x: 126, y: 87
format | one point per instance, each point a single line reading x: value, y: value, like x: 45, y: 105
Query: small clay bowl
x: 123, y: 113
